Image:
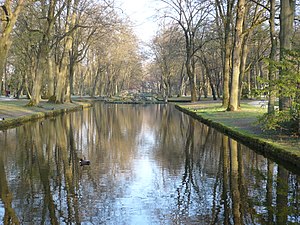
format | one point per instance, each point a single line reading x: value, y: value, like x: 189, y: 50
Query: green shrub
x: 279, y: 120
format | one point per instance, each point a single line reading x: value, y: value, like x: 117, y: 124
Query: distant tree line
x: 54, y: 49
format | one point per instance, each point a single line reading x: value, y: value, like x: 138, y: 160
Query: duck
x: 84, y: 162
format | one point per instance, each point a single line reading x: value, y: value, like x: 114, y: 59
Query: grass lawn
x: 16, y: 112
x: 245, y: 118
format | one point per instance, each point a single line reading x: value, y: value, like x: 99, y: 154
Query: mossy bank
x: 287, y: 153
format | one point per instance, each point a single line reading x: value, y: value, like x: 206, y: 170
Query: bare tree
x: 167, y: 49
x: 226, y: 18
x: 236, y: 57
x: 62, y: 67
x: 43, y: 48
x: 9, y: 13
x: 191, y: 16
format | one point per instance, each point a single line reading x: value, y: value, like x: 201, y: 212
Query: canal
x: 150, y: 164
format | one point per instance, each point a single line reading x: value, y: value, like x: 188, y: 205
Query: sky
x: 142, y: 14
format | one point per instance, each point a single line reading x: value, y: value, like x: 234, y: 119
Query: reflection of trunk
x: 241, y: 182
x: 208, y: 137
x: 218, y: 181
x: 44, y: 174
x: 225, y: 192
x: 236, y: 199
x: 72, y: 200
x: 187, y: 179
x: 282, y: 196
x: 269, y: 196
x: 189, y: 152
x: 43, y: 167
x: 10, y: 216
x: 69, y: 161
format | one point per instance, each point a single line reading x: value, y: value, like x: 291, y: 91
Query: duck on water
x: 84, y: 162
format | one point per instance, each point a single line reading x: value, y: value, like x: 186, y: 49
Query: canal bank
x: 243, y: 127
x: 14, y: 112
x: 240, y: 126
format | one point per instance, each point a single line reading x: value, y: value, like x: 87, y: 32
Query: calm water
x: 149, y: 165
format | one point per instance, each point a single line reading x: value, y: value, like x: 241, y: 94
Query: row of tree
x: 53, y: 49
x: 234, y: 48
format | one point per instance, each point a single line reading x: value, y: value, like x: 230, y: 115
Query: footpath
x: 242, y: 126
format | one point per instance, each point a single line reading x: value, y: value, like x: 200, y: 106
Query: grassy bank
x: 242, y: 126
x: 15, y: 112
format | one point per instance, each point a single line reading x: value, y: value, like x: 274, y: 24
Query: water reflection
x: 149, y: 165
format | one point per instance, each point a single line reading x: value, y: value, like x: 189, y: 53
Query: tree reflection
x: 225, y: 189
x: 197, y: 174
x: 185, y: 191
x: 282, y: 196
x: 10, y: 216
x: 269, y: 193
x: 235, y: 191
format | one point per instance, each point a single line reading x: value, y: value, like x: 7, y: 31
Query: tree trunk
x: 244, y: 56
x: 272, y: 76
x: 50, y: 81
x: 8, y: 21
x: 96, y: 80
x: 236, y: 58
x: 190, y: 68
x: 227, y: 47
x: 227, y: 54
x: 226, y: 73
x: 182, y: 81
x: 43, y: 56
x: 36, y: 90
x: 285, y: 35
x: 63, y: 81
x: 39, y: 71
x: 4, y: 47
